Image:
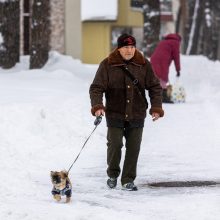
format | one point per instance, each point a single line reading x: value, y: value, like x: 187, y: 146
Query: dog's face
x: 59, y: 179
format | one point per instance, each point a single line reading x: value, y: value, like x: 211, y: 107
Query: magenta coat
x: 166, y: 51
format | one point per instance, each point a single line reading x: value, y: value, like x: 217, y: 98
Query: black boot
x: 112, y: 182
x: 166, y: 99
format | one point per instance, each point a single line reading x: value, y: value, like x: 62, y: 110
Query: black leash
x: 96, y: 123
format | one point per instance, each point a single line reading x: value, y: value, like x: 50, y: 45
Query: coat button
x: 129, y: 87
x: 128, y: 101
x: 126, y: 116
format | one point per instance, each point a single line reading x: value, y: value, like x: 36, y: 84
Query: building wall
x: 73, y: 29
x: 57, y: 22
x: 128, y: 16
x: 57, y: 25
x: 96, y: 36
x: 168, y: 27
x: 175, y: 7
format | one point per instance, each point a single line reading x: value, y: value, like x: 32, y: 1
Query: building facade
x: 99, y: 36
x: 91, y: 39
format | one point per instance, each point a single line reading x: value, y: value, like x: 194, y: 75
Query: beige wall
x: 73, y: 30
x: 96, y: 41
x: 91, y: 41
x: 57, y: 24
x: 96, y: 36
x: 127, y: 16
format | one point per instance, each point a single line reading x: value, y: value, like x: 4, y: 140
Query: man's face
x: 127, y: 52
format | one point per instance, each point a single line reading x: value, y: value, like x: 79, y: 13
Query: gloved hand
x: 178, y: 74
x: 100, y: 112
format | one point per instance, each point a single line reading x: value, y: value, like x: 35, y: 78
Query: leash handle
x: 96, y: 123
x: 98, y: 120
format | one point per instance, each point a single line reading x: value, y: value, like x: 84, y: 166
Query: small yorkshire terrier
x: 61, y: 185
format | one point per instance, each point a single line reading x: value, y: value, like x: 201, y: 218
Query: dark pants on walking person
x: 133, y: 137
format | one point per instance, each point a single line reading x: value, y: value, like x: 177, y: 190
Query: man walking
x: 123, y: 77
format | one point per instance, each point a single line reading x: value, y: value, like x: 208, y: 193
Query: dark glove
x: 178, y: 74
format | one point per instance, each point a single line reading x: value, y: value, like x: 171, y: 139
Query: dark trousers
x: 133, y: 137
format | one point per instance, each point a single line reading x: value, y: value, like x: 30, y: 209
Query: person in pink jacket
x: 167, y: 50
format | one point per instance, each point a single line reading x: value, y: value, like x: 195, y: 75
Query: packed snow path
x: 45, y: 118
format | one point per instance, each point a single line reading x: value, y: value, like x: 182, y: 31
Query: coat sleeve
x: 176, y: 55
x: 97, y: 88
x: 154, y: 91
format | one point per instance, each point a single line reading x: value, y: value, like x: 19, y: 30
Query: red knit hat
x: 126, y: 40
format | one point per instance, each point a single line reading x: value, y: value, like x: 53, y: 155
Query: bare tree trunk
x: 181, y: 25
x: 198, y: 29
x: 207, y: 28
x: 203, y: 27
x: 215, y: 29
x: 192, y: 40
x: 40, y: 33
x: 151, y: 13
x: 9, y: 33
x: 190, y: 10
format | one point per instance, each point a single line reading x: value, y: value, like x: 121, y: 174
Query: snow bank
x: 45, y: 119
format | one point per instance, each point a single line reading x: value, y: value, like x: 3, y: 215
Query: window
x: 136, y: 3
x: 166, y: 6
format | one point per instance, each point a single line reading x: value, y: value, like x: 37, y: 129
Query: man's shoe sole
x: 134, y: 189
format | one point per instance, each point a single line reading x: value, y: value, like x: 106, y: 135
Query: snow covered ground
x: 45, y: 119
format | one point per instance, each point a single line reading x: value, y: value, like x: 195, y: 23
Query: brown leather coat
x: 123, y: 100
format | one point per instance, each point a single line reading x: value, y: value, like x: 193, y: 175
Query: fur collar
x: 116, y: 59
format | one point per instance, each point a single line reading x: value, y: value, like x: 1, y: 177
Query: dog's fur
x: 61, y: 185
